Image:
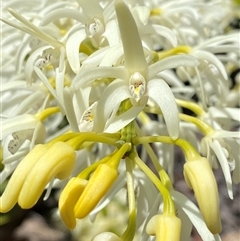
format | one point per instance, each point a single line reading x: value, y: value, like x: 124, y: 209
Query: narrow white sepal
x: 111, y: 98
x: 172, y: 62
x: 217, y: 148
x: 161, y: 93
x: 194, y: 215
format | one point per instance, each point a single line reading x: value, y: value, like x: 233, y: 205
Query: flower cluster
x: 95, y: 91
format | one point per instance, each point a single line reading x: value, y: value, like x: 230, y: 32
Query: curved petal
x: 57, y: 14
x: 211, y: 58
x: 217, y: 148
x: 72, y: 47
x: 194, y: 215
x: 226, y: 112
x: 172, y: 62
x: 161, y: 93
x: 17, y: 123
x: 111, y: 32
x: 112, y: 55
x: 111, y: 98
x: 29, y: 68
x: 163, y: 31
x: 70, y: 112
x: 171, y: 78
x: 50, y: 88
x: 122, y: 120
x: 87, y: 76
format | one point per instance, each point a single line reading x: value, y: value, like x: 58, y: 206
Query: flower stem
x: 169, y: 207
x: 189, y: 151
x: 129, y: 233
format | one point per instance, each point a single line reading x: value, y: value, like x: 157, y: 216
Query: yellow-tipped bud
x: 13, y: 189
x: 98, y: 185
x: 165, y: 227
x: 68, y: 200
x: 58, y: 161
x: 199, y: 176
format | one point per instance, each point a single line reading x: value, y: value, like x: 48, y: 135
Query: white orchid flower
x: 135, y: 81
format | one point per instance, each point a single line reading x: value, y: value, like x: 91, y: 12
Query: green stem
x: 169, y: 207
x: 189, y: 151
x: 77, y: 141
x: 198, y: 110
x: 47, y: 112
x: 202, y: 126
x: 129, y: 233
x: 161, y: 172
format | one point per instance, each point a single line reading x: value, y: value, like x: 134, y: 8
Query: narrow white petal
x: 22, y: 53
x: 29, y: 68
x: 91, y: 8
x: 122, y: 120
x: 50, y: 88
x: 111, y: 98
x: 60, y: 75
x: 12, y: 158
x: 201, y: 54
x: 112, y: 55
x: 88, y: 76
x: 17, y: 123
x: 226, y: 134
x: 70, y: 113
x: 217, y: 148
x: 171, y: 78
x: 13, y: 85
x: 172, y: 62
x: 33, y: 30
x: 226, y: 112
x: 72, y: 47
x: 111, y: 33
x: 132, y: 44
x: 161, y: 93
x: 95, y: 58
x: 57, y: 14
x: 163, y: 31
x: 35, y: 98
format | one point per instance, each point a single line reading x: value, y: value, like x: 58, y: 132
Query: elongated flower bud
x: 98, y: 185
x: 13, y: 189
x: 58, y: 162
x: 68, y: 200
x: 35, y: 171
x: 165, y: 227
x: 199, y: 176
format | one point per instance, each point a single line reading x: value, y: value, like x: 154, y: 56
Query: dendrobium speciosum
x: 96, y: 95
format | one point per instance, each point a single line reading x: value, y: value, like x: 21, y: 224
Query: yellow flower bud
x: 58, y: 161
x: 98, y: 185
x: 34, y: 172
x: 68, y: 200
x: 13, y: 189
x: 199, y: 176
x: 166, y: 227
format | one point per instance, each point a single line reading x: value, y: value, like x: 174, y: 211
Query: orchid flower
x: 135, y: 81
